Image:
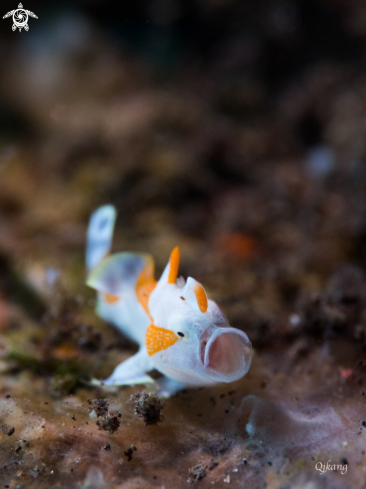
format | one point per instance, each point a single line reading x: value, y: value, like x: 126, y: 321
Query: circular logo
x: 20, y: 18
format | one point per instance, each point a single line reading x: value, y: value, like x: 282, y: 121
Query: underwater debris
x: 99, y: 408
x: 197, y: 472
x: 129, y: 452
x: 147, y: 407
x: 109, y: 422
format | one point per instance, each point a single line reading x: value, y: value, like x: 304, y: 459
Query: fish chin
x: 226, y: 356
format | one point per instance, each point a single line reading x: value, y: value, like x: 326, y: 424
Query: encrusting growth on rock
x: 148, y: 407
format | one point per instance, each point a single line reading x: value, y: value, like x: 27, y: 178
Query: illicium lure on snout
x: 181, y: 333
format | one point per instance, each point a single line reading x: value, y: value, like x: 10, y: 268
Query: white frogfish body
x: 181, y: 333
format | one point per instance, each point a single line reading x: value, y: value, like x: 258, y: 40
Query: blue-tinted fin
x: 118, y: 274
x: 99, y: 235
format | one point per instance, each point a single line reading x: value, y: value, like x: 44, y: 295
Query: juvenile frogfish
x: 180, y: 332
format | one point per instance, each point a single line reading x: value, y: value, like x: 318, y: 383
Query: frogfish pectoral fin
x: 130, y: 372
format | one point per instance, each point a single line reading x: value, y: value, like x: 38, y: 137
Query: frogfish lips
x: 227, y: 354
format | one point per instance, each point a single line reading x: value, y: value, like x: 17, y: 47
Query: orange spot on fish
x: 110, y: 298
x: 174, y: 265
x: 146, y: 284
x: 201, y: 297
x: 158, y: 339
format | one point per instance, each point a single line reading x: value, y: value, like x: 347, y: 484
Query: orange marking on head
x: 145, y: 284
x: 110, y: 298
x: 201, y: 297
x: 174, y: 265
x: 158, y: 339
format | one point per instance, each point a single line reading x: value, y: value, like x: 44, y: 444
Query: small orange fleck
x: 110, y: 298
x: 201, y: 297
x: 65, y: 352
x: 238, y: 244
x: 158, y: 339
x: 346, y: 373
x: 174, y: 265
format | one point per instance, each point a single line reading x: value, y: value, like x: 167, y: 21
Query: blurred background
x: 234, y: 129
